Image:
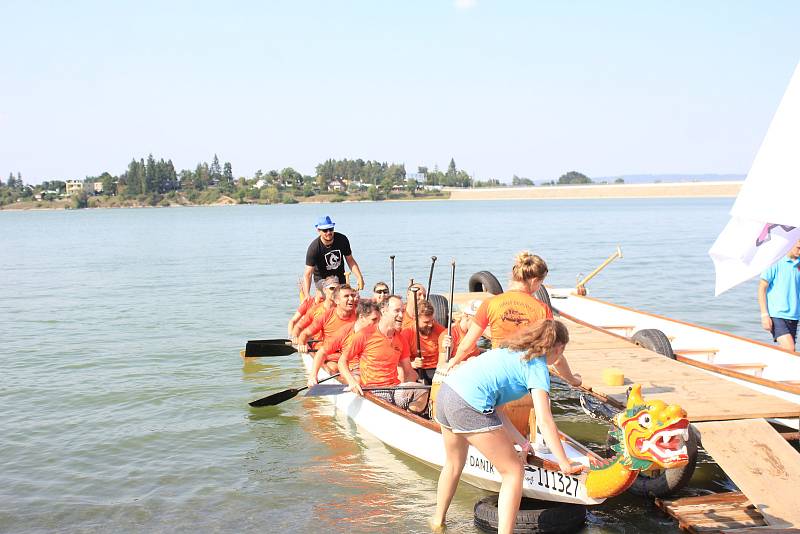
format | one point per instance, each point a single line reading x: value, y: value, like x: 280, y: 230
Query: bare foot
x: 436, y: 527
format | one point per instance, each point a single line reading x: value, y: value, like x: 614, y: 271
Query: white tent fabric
x: 765, y: 219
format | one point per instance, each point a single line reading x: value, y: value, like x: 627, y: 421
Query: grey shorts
x: 453, y: 413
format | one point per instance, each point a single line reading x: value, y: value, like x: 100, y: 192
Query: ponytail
x: 538, y: 339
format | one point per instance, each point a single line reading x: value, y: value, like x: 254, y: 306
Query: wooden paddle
x: 338, y: 389
x: 259, y: 348
x: 282, y: 396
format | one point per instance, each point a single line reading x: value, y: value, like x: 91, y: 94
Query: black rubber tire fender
x: 541, y: 517
x: 484, y: 281
x: 439, y: 303
x: 668, y: 481
x: 654, y: 340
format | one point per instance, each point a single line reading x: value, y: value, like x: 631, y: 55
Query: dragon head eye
x: 644, y: 420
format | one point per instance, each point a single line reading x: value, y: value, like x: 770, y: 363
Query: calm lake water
x: 124, y: 399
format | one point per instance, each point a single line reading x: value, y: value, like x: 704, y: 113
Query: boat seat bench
x: 757, y: 367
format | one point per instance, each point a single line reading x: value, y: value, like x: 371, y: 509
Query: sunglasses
x: 326, y: 230
x: 382, y: 291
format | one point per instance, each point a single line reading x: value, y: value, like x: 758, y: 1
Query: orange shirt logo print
x: 514, y: 316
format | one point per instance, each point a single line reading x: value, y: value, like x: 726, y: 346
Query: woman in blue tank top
x: 466, y: 411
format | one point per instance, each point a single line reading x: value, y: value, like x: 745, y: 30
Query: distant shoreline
x: 558, y: 192
x: 601, y: 191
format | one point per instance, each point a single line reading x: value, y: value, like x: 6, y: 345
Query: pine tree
x: 451, y: 169
x: 215, y: 172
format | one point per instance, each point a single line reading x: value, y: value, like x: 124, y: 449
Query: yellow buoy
x: 613, y: 376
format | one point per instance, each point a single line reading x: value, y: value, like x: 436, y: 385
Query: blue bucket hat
x: 325, y: 222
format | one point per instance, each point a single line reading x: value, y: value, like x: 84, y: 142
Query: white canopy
x: 765, y: 219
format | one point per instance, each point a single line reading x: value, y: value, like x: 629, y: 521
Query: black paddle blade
x: 276, y: 398
x: 258, y: 349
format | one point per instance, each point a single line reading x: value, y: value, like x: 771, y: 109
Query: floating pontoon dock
x: 730, y: 419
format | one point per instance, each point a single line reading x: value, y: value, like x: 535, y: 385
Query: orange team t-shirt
x: 507, y: 312
x: 327, y: 324
x: 313, y: 312
x: 333, y: 345
x: 379, y: 356
x: 306, y: 305
x: 457, y: 335
x: 429, y: 345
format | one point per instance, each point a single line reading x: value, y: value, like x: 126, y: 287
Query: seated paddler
x: 331, y: 350
x: 425, y: 351
x: 329, y: 285
x: 383, y: 360
x: 328, y: 324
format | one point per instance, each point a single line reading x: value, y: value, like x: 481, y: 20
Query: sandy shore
x: 666, y: 190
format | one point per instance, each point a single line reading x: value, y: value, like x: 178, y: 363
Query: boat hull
x: 422, y: 441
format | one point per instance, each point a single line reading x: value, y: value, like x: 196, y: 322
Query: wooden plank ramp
x: 761, y: 463
x: 721, y: 512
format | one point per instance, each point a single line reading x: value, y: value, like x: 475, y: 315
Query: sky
x: 527, y: 88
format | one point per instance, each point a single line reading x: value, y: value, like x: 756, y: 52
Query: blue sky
x: 505, y: 87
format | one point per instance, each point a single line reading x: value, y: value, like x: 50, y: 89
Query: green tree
x: 80, y: 200
x: 451, y: 169
x: 109, y: 187
x: 386, y: 186
x: 215, y: 172
x: 373, y: 193
x: 573, y: 177
x: 619, y: 181
x: 227, y: 172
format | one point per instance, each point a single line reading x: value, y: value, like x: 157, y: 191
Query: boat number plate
x: 552, y: 480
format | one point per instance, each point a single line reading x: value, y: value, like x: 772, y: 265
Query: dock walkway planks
x: 770, y: 477
x: 704, y: 396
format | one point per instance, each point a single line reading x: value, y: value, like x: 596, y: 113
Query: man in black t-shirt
x: 327, y: 254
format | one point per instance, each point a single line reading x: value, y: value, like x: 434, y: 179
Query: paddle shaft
x: 614, y: 256
x: 450, y: 308
x: 414, y: 289
x: 391, y: 263
x: 283, y: 396
x: 430, y: 276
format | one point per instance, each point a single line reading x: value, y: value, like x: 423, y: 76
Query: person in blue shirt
x: 466, y: 410
x: 779, y: 298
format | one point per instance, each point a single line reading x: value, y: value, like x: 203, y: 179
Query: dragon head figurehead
x: 651, y: 434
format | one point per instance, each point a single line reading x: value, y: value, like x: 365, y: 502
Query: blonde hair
x: 528, y: 266
x: 538, y: 339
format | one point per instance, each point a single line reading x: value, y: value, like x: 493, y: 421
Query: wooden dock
x: 720, y: 512
x: 730, y: 419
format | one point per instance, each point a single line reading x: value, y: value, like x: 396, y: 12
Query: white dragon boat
x: 759, y: 366
x: 420, y: 438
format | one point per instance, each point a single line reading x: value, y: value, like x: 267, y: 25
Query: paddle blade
x: 276, y: 398
x: 259, y: 349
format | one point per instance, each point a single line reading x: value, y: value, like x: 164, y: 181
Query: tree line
x: 151, y: 180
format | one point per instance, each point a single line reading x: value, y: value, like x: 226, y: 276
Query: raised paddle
x: 391, y: 262
x: 430, y: 276
x: 450, y: 308
x: 338, y: 389
x: 282, y: 396
x: 414, y: 289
